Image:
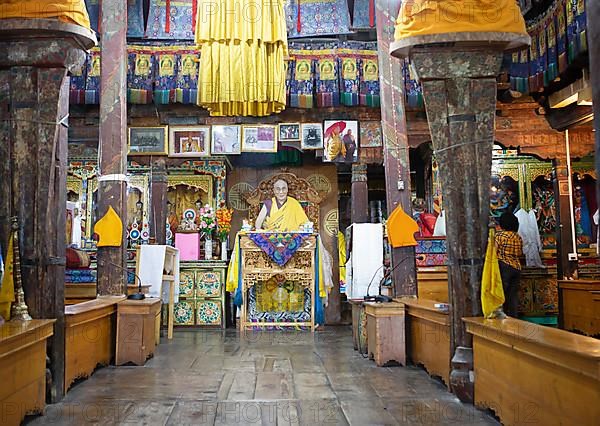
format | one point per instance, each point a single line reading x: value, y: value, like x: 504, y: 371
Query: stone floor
x: 213, y: 377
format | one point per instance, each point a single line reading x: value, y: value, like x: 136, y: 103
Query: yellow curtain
x: 242, y: 67
x: 72, y: 11
x: 7, y: 291
x: 426, y: 17
x: 492, y: 293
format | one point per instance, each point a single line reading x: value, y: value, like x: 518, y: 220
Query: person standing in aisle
x: 509, y: 246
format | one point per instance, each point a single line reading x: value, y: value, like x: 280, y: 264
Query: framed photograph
x: 341, y: 141
x: 370, y: 134
x: 148, y: 141
x: 289, y: 132
x: 261, y: 138
x: 189, y: 141
x: 312, y: 136
x: 226, y: 139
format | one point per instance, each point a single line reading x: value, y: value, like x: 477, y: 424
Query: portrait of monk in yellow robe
x: 281, y: 213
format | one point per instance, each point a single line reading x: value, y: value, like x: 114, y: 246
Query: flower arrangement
x: 223, y: 222
x: 207, y: 221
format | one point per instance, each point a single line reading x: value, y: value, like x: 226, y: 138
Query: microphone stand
x: 135, y: 296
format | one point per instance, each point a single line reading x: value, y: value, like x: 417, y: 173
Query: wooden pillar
x: 458, y: 76
x: 35, y: 56
x: 158, y: 191
x: 359, y: 199
x: 395, y: 142
x: 566, y: 267
x: 112, y: 185
x: 592, y: 10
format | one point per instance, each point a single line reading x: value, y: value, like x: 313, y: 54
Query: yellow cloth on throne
x: 71, y: 11
x: 289, y: 217
x: 426, y: 17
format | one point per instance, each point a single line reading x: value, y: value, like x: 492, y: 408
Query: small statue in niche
x: 172, y: 216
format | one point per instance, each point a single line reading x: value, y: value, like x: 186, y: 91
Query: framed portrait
x: 148, y: 140
x: 312, y: 136
x: 289, y: 132
x: 341, y: 141
x: 370, y: 134
x: 262, y: 138
x: 226, y: 139
x: 189, y: 141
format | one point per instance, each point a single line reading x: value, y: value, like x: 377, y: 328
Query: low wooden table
x: 528, y: 373
x: 89, y: 336
x: 138, y: 330
x: 428, y: 340
x: 23, y: 369
x: 385, y: 332
x: 82, y: 292
x: 579, y: 311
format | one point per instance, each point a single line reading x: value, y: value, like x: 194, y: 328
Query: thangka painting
x: 370, y: 134
x: 544, y: 205
x: 504, y: 195
x: 306, y: 18
x: 341, y: 141
x: 364, y: 14
x: 171, y: 20
x: 135, y: 17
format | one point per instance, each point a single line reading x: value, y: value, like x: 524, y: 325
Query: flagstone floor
x: 206, y: 377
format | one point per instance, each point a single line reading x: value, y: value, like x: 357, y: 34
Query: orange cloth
x: 425, y: 17
x: 109, y: 229
x: 401, y: 229
x: 72, y: 11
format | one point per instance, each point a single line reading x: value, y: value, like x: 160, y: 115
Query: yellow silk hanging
x: 242, y: 67
x: 492, y: 293
x: 72, y: 11
x: 426, y: 17
x: 7, y: 289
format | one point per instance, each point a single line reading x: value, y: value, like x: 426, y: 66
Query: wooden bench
x: 23, y: 369
x: 432, y: 283
x: 529, y: 373
x: 579, y: 311
x: 428, y: 339
x: 90, y: 336
x: 138, y: 330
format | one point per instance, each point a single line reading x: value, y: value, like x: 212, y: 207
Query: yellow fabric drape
x: 72, y: 11
x: 492, y: 293
x: 342, y: 256
x: 242, y: 67
x: 7, y: 291
x: 289, y: 217
x: 426, y: 17
x: 401, y: 228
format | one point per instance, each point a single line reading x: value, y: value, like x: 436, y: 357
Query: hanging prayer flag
x: 350, y: 79
x: 77, y: 84
x: 140, y: 75
x: 326, y: 80
x: 186, y: 85
x: 369, y: 83
x: 92, y: 78
x: 561, y: 38
x: 581, y: 22
x: 552, y: 70
x: 301, y: 87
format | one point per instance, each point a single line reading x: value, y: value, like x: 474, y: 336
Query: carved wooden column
x: 459, y: 88
x: 35, y: 57
x: 112, y: 186
x: 359, y: 200
x: 158, y: 191
x: 566, y: 267
x: 395, y: 142
x: 592, y: 10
